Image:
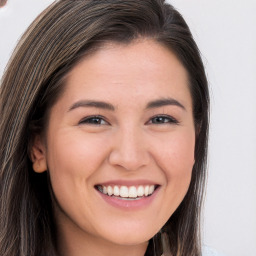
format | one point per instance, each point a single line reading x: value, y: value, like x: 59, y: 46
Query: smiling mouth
x: 127, y: 192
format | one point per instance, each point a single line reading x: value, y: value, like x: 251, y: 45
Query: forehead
x: 140, y: 69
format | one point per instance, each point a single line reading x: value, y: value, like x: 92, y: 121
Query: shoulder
x: 207, y: 251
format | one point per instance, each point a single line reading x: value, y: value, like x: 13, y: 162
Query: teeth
x: 127, y: 192
x: 132, y: 192
x: 151, y: 189
x: 116, y: 191
x: 124, y: 192
x: 105, y: 190
x: 140, y: 191
x: 110, y: 190
x: 146, y: 190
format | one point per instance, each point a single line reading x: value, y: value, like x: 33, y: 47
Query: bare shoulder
x: 208, y: 251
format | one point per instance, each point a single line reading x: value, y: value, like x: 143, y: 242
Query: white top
x: 207, y: 251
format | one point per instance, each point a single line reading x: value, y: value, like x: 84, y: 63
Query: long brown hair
x: 64, y: 33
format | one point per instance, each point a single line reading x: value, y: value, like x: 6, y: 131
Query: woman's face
x: 123, y: 125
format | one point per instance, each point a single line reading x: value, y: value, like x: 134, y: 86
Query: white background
x: 226, y: 34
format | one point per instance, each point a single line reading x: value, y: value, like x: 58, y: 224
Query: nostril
x: 128, y: 163
x: 127, y: 159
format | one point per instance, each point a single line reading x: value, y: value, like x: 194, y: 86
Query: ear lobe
x: 38, y: 155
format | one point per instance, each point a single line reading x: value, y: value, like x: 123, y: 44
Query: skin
x: 3, y: 3
x: 127, y: 144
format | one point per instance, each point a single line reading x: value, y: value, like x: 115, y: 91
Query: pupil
x: 95, y: 120
x: 159, y: 119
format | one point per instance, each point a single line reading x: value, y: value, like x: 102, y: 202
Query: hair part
x: 55, y: 42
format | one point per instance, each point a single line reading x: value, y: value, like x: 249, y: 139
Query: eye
x: 94, y: 120
x: 163, y: 119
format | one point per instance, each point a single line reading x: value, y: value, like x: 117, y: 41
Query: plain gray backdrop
x: 226, y: 35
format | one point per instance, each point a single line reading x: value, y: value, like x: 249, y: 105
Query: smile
x: 127, y: 192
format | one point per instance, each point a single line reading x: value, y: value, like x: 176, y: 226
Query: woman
x: 104, y: 127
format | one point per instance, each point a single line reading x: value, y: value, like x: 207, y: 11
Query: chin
x: 131, y: 236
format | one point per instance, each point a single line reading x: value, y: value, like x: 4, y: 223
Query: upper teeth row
x: 124, y: 191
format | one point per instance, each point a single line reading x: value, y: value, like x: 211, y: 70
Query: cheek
x: 176, y: 158
x: 75, y: 154
x: 73, y: 158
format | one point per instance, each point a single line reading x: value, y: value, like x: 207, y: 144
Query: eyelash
x: 89, y: 120
x: 164, y: 119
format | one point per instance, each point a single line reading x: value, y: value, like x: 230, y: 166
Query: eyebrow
x: 104, y: 105
x: 93, y: 104
x: 164, y: 102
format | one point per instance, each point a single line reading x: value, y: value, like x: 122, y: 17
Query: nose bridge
x: 129, y: 148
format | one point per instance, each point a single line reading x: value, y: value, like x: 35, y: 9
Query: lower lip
x: 129, y: 204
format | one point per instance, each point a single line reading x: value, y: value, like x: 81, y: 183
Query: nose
x: 129, y: 150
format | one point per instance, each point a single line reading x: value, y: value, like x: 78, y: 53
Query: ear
x: 38, y: 155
